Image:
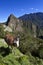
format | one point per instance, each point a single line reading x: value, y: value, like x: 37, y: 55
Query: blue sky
x: 19, y: 7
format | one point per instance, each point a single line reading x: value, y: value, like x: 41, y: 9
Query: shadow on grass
x: 5, y: 51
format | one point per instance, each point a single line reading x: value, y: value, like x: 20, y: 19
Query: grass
x: 16, y: 57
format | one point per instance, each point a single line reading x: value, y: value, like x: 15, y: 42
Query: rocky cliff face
x: 17, y: 25
x: 14, y: 23
x: 33, y: 22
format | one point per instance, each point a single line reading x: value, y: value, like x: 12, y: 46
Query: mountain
x: 30, y: 51
x: 36, y: 18
x: 33, y: 21
x: 14, y: 23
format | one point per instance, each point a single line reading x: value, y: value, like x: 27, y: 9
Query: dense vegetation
x: 16, y: 57
x: 30, y: 51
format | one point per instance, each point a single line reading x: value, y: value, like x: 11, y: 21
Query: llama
x: 12, y: 41
x: 16, y: 41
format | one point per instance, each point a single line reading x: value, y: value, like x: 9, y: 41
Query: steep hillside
x: 36, y: 18
x: 16, y: 57
x: 14, y: 23
x: 33, y: 22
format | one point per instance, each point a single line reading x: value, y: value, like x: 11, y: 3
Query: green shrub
x: 41, y: 52
x: 24, y: 60
x: 2, y: 33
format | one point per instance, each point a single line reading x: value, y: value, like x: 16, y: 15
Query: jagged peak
x: 11, y: 16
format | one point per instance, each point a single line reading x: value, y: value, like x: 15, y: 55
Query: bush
x: 24, y: 60
x: 30, y: 44
x: 2, y: 33
x: 41, y: 52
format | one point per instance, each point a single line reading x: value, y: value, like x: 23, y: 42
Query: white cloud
x: 36, y: 9
x: 21, y: 9
x: 31, y: 8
